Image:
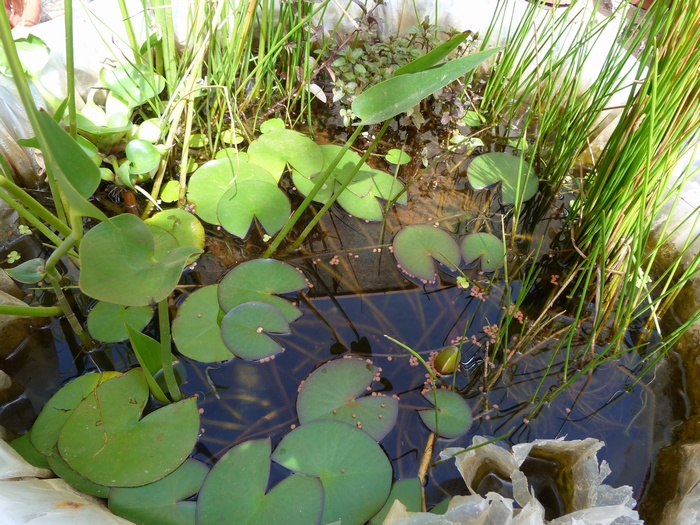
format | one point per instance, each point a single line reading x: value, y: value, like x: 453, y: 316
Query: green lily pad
x: 106, y: 321
x: 407, y: 491
x: 162, y: 500
x: 491, y: 168
x: 271, y: 124
x: 244, y: 472
x: 251, y: 199
x: 451, y: 418
x: 105, y: 440
x: 261, y: 280
x: 279, y: 147
x: 214, y: 178
x: 143, y: 155
x: 24, y: 446
x: 73, y: 478
x: 170, y: 191
x: 148, y: 353
x: 197, y: 330
x: 332, y: 392
x: 133, y: 83
x: 29, y: 272
x: 119, y: 263
x: 182, y: 225
x: 355, y: 472
x: 397, y: 156
x: 486, y: 247
x: 415, y: 247
x: 245, y: 329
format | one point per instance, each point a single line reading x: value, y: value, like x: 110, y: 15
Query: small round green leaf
x: 485, y: 246
x: 261, y: 280
x: 134, y: 83
x: 162, y: 500
x: 451, y: 416
x: 245, y: 329
x: 196, y: 329
x: 106, y: 440
x: 397, y: 156
x: 513, y: 172
x: 244, y: 471
x: 279, y: 147
x: 355, y: 472
x: 332, y: 392
x: 106, y: 321
x: 143, y: 155
x: 251, y: 199
x: 182, y: 225
x: 415, y: 247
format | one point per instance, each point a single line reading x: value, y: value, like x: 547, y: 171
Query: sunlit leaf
x: 106, y: 321
x: 245, y: 330
x: 451, y: 416
x: 279, y: 147
x: 134, y: 83
x: 486, y: 247
x: 512, y: 172
x: 251, y: 199
x: 415, y: 247
x: 143, y: 155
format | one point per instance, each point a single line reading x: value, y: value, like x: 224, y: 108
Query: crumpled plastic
x: 593, y: 503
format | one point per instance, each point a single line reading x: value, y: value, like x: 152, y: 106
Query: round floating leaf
x: 162, y: 501
x: 332, y: 392
x: 143, y: 155
x: 415, y: 247
x: 170, y: 191
x: 451, y: 418
x: 244, y: 330
x: 244, y: 471
x: 397, y: 156
x: 271, y: 124
x: 214, y: 178
x: 119, y: 263
x: 196, y: 329
x: 253, y: 199
x: 106, y: 321
x: 491, y: 168
x: 73, y: 478
x: 260, y: 280
x: 355, y: 472
x: 105, y: 441
x: 182, y: 225
x: 29, y: 272
x: 134, y: 83
x: 279, y: 147
x: 485, y: 246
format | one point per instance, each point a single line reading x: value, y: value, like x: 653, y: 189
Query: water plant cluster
x: 267, y: 180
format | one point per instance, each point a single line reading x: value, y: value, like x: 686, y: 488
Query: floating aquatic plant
x: 485, y: 247
x: 415, y: 247
x: 451, y: 416
x: 513, y: 173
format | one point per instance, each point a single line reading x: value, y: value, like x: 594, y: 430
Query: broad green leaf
x: 338, y: 391
x: 433, y: 57
x: 119, y: 263
x: 251, y: 199
x: 105, y: 440
x: 486, y: 247
x: 415, y: 247
x: 398, y: 94
x: 106, y: 321
x: 279, y: 147
x: 245, y: 329
x: 182, y: 225
x: 397, y: 156
x: 134, y: 83
x: 44, y: 432
x: 197, y: 329
x: 214, y: 178
x: 148, y: 353
x: 355, y: 472
x: 513, y: 172
x: 24, y: 446
x: 162, y: 501
x: 170, y: 191
x: 261, y: 280
x: 143, y: 155
x: 73, y: 478
x: 243, y: 472
x: 271, y: 124
x: 33, y: 54
x: 407, y: 491
x: 29, y: 272
x: 451, y: 416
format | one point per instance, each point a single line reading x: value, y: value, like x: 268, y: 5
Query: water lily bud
x: 447, y: 360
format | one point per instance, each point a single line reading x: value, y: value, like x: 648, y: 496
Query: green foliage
x: 486, y: 247
x: 415, y: 247
x: 107, y: 321
x: 518, y: 182
x: 451, y: 416
x: 245, y: 330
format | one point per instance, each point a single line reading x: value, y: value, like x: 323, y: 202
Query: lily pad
x: 397, y: 157
x: 162, y: 501
x: 197, y: 327
x: 119, y: 263
x: 279, y: 147
x: 73, y: 478
x: 332, y: 392
x: 214, y: 178
x: 415, y: 247
x: 182, y: 225
x: 244, y: 472
x: 261, y: 280
x: 512, y: 172
x: 355, y: 472
x: 251, y: 199
x: 407, y: 491
x: 486, y: 247
x: 105, y: 440
x: 451, y: 416
x: 106, y: 321
x: 245, y: 330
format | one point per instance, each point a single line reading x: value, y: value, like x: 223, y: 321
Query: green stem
x: 30, y: 311
x: 129, y: 28
x: 36, y: 209
x: 320, y: 181
x: 166, y: 355
x: 54, y: 279
x: 345, y: 184
x: 70, y: 69
x: 164, y: 19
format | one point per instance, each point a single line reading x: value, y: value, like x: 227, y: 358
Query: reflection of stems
x: 30, y: 311
x: 54, y: 279
x: 166, y: 355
